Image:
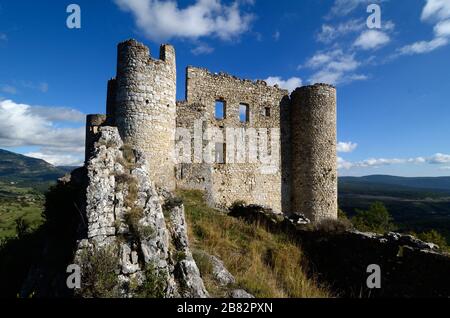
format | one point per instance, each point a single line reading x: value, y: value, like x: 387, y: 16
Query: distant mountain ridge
x: 22, y: 169
x: 432, y: 183
x: 19, y: 168
x: 392, y: 186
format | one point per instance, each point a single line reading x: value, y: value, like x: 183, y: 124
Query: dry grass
x: 264, y: 264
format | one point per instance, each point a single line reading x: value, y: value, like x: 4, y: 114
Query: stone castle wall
x: 141, y: 102
x: 241, y: 179
x: 93, y: 124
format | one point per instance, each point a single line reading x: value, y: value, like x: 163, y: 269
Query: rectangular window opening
x: 267, y: 111
x: 220, y: 110
x: 244, y: 113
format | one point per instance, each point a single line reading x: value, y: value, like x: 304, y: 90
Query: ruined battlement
x: 223, y: 76
x: 267, y: 146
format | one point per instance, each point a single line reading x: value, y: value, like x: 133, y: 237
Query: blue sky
x: 393, y: 82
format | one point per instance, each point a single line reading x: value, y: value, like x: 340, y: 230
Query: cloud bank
x: 163, y: 20
x: 50, y: 129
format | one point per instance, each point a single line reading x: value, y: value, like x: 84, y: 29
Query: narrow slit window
x: 220, y: 150
x: 267, y: 111
x: 220, y: 110
x: 244, y: 113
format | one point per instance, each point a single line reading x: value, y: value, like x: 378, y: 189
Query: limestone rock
x: 221, y: 274
x: 240, y: 293
x: 125, y: 214
x: 187, y: 271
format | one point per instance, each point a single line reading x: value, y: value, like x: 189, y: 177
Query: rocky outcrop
x: 127, y: 223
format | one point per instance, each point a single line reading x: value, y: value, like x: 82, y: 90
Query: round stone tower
x: 313, y: 152
x: 145, y: 106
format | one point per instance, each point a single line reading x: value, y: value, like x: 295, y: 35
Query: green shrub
x: 98, y: 273
x: 146, y: 231
x: 376, y: 219
x: 132, y: 218
x: 22, y: 227
x: 154, y: 285
x: 342, y: 215
x: 435, y: 237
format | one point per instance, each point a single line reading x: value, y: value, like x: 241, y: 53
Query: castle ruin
x: 234, y: 139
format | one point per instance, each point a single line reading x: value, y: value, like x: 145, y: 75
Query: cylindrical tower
x: 313, y: 152
x: 145, y: 111
x: 93, y: 122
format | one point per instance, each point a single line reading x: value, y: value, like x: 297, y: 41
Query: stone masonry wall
x: 145, y: 106
x: 313, y: 156
x: 93, y: 124
x: 226, y: 183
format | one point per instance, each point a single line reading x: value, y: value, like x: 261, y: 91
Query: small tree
x: 375, y: 219
x: 22, y: 227
x: 435, y: 237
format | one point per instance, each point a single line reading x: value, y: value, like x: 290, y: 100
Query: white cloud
x: 343, y: 164
x: 330, y: 33
x: 162, y: 20
x: 345, y: 7
x: 423, y: 46
x: 202, y: 49
x: 290, y: 84
x: 436, y: 10
x: 57, y: 158
x: 437, y: 159
x: 42, y: 86
x: 8, y: 89
x: 276, y: 36
x: 58, y: 114
x: 346, y: 147
x: 333, y: 67
x: 442, y: 29
x: 372, y: 39
x: 25, y: 125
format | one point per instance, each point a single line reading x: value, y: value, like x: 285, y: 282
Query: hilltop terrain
x: 23, y: 183
x: 416, y: 204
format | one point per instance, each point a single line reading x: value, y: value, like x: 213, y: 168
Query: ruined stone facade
x: 237, y: 140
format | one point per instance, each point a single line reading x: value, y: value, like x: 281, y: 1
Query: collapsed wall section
x: 93, y: 124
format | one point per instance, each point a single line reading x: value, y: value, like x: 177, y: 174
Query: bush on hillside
x: 376, y: 219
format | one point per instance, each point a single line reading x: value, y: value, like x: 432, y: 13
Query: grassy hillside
x: 23, y: 182
x: 27, y: 172
x: 18, y: 202
x: 264, y: 264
